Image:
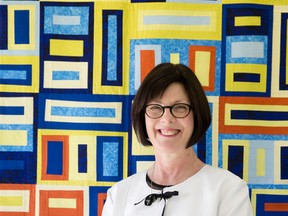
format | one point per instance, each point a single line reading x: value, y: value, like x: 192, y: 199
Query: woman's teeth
x: 169, y: 132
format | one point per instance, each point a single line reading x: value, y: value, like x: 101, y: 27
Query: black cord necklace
x: 151, y: 198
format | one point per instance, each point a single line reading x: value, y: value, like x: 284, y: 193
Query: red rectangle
x: 26, y: 187
x: 248, y: 129
x: 45, y: 140
x: 276, y: 207
x: 212, y: 65
x: 147, y: 62
x: 45, y: 195
x: 101, y: 201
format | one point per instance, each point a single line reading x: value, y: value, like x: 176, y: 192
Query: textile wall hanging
x: 69, y: 71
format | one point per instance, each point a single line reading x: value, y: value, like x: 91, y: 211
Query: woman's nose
x: 167, y: 115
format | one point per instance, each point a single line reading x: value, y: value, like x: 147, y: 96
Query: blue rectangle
x: 12, y: 165
x: 16, y: 74
x: 259, y: 115
x: 112, y: 47
x: 284, y: 162
x: 11, y: 110
x: 22, y: 28
x: 112, y: 57
x: 83, y: 112
x: 246, y: 77
x: 231, y: 11
x: 82, y: 158
x: 236, y: 160
x: 65, y: 75
x: 55, y: 158
x: 109, y: 158
x: 4, y: 27
x: 283, y: 52
x: 83, y: 12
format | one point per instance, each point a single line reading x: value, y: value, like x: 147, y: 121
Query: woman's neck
x: 174, y: 169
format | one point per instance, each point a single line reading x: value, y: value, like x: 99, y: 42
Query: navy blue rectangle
x: 119, y: 15
x: 22, y: 28
x: 88, y: 51
x: 4, y: 27
x: 283, y: 52
x: 16, y: 81
x: 242, y: 10
x: 261, y: 199
x: 236, y: 160
x: 82, y: 158
x: 259, y: 115
x: 107, y: 126
x: 55, y: 158
x: 23, y: 169
x: 11, y: 110
x: 284, y: 162
x: 100, y: 141
x: 246, y: 77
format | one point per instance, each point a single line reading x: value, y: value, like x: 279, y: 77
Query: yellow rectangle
x: 74, y: 48
x: 248, y: 21
x: 11, y: 201
x: 62, y: 203
x: 257, y: 107
x: 231, y: 85
x: 260, y: 169
x: 202, y: 66
x: 11, y: 29
x: 13, y: 137
x: 175, y: 58
x: 27, y: 60
x: 207, y: 31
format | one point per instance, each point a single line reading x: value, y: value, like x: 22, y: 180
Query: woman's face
x: 168, y: 133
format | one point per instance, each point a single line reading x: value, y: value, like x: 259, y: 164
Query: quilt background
x: 68, y: 74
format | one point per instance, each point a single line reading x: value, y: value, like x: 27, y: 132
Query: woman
x: 171, y: 113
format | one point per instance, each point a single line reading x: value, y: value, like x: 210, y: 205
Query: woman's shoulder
x: 217, y: 174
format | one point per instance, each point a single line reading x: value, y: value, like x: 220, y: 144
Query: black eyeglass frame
x: 170, y: 108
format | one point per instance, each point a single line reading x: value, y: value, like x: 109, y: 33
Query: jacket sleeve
x: 108, y: 206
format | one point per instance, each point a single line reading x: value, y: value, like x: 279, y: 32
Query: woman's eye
x: 155, y: 108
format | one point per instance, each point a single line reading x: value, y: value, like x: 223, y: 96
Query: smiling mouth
x: 169, y: 132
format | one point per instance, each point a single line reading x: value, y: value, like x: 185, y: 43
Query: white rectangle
x: 81, y: 67
x: 112, y: 105
x: 68, y: 203
x: 247, y: 49
x: 26, y: 102
x: 25, y: 194
x: 66, y: 20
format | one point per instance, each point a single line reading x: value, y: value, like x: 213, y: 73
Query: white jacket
x: 210, y: 192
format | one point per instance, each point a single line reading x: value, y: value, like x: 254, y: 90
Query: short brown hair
x: 155, y: 84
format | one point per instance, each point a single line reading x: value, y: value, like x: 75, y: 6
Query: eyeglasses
x: 179, y: 110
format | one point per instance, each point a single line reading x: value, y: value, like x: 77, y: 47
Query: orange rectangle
x: 276, y: 207
x: 45, y: 195
x: 212, y: 63
x: 32, y: 190
x: 147, y: 61
x: 262, y: 104
x: 45, y: 140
